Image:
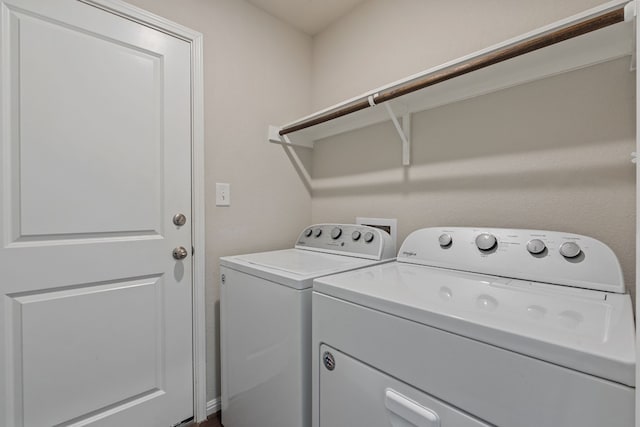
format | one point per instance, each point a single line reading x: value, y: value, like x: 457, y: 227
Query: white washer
x: 477, y: 327
x: 265, y: 316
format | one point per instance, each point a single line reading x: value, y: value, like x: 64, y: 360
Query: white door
x: 95, y: 312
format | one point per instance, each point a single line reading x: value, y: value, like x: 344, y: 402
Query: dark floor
x: 213, y: 421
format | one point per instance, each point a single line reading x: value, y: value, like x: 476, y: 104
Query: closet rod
x: 610, y: 18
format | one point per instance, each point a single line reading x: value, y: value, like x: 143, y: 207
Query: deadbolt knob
x: 179, y: 219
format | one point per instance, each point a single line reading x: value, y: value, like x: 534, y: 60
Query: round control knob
x: 356, y: 236
x: 368, y: 237
x: 318, y: 232
x: 486, y: 241
x: 308, y: 232
x: 336, y: 232
x: 445, y: 240
x: 570, y: 250
x: 536, y: 246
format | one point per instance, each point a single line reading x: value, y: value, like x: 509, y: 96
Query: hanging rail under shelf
x: 593, y: 23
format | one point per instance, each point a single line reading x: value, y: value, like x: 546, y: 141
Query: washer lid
x: 294, y: 267
x: 586, y: 330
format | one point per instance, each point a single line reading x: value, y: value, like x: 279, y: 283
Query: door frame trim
x: 195, y: 39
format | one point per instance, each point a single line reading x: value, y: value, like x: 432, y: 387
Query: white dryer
x: 265, y: 321
x: 477, y: 327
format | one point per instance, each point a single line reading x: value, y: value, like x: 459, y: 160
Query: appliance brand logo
x: 405, y: 253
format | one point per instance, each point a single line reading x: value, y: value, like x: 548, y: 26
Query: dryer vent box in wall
x: 390, y: 225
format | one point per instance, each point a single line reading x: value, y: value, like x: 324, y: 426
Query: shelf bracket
x: 299, y: 141
x: 631, y: 14
x: 404, y: 131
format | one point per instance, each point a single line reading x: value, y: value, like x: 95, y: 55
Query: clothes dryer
x: 265, y: 314
x: 477, y: 327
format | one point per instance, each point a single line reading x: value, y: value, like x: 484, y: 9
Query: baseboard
x: 213, y: 406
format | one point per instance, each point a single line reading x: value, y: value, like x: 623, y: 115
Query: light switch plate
x: 223, y: 194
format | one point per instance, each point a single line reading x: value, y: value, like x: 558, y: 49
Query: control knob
x: 570, y: 250
x: 318, y: 232
x: 368, y: 237
x: 336, y: 232
x: 445, y: 240
x: 536, y: 246
x: 486, y: 241
x: 356, y: 236
x: 308, y: 232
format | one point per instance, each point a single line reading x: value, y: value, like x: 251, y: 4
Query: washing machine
x: 265, y: 321
x: 477, y: 327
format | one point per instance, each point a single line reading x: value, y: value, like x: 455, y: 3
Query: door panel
x: 89, y: 353
x: 85, y: 71
x: 94, y: 162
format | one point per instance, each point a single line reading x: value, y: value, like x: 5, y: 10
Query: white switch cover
x: 223, y: 194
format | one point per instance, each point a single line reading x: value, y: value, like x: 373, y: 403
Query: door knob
x: 180, y: 253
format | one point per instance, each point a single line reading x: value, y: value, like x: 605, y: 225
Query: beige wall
x: 553, y: 154
x: 250, y: 59
x: 381, y: 41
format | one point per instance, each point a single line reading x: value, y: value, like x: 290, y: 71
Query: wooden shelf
x: 612, y: 40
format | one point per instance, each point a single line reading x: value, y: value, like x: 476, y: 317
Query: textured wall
x: 250, y: 59
x: 552, y: 154
x: 381, y: 41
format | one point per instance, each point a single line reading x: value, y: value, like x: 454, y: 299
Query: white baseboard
x: 213, y: 406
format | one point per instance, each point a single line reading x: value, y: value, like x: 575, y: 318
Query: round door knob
x: 336, y: 232
x: 180, y: 253
x: 368, y: 237
x: 570, y: 250
x: 486, y: 241
x: 308, y: 232
x: 179, y: 219
x: 318, y: 232
x: 536, y: 246
x: 445, y: 240
x: 355, y: 236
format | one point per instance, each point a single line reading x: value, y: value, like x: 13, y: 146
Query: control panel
x: 536, y: 255
x: 347, y: 239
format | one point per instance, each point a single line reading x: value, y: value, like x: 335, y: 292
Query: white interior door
x: 96, y: 314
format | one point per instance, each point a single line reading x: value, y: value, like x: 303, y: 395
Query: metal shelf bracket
x: 298, y: 141
x: 404, y: 131
x: 630, y: 14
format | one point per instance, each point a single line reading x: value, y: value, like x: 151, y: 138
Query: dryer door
x: 355, y: 394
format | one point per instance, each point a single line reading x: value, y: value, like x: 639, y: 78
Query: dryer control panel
x: 347, y: 239
x: 536, y: 255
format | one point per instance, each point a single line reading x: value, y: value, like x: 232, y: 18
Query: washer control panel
x: 347, y: 239
x: 536, y: 255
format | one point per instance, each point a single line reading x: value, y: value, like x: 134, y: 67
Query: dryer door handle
x: 406, y: 412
